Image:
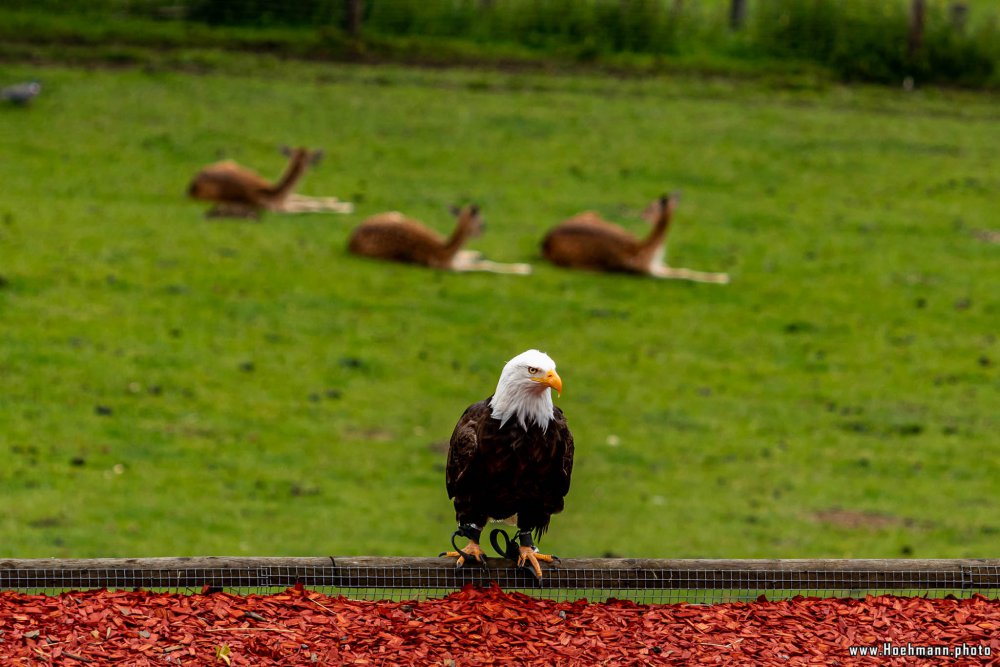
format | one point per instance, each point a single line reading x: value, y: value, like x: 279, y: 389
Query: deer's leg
x: 468, y: 256
x: 304, y: 204
x: 491, y: 267
x: 671, y: 273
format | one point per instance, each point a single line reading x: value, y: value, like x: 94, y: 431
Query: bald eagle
x: 510, y: 459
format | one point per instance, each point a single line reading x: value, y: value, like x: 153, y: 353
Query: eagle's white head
x: 525, y: 390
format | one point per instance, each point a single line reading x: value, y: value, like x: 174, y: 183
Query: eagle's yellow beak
x: 551, y: 379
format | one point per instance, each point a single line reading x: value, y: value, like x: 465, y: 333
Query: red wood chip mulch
x: 484, y: 627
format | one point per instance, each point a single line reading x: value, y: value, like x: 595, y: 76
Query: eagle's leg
x: 472, y: 550
x: 529, y: 554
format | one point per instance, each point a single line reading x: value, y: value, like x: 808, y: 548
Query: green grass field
x: 174, y: 386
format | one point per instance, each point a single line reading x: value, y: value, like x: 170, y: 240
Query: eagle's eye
x: 532, y: 370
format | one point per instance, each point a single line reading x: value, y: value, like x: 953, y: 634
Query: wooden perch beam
x: 439, y: 573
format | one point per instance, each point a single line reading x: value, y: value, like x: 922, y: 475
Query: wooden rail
x: 440, y: 573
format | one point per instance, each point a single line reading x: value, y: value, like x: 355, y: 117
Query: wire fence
x: 597, y: 580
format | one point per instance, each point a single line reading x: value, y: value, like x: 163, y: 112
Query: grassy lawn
x: 174, y: 386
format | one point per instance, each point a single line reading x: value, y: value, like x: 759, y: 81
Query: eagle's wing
x: 463, y: 449
x: 561, y: 474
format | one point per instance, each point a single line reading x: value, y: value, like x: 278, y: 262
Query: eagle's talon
x: 472, y: 554
x: 528, y: 559
x: 472, y: 558
x: 530, y: 569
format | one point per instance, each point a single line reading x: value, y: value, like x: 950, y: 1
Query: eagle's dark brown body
x: 496, y: 472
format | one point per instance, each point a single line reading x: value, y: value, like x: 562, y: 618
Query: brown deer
x: 395, y: 237
x: 240, y: 192
x: 587, y: 241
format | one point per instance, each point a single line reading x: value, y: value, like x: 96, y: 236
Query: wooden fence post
x: 959, y: 13
x: 918, y: 14
x: 352, y: 17
x: 737, y: 14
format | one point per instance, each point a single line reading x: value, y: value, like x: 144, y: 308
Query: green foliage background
x: 174, y: 386
x: 849, y: 40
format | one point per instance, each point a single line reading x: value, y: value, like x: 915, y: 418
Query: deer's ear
x: 286, y: 151
x: 454, y: 210
x: 474, y: 209
x: 317, y: 156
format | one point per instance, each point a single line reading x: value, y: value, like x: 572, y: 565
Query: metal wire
x: 412, y: 582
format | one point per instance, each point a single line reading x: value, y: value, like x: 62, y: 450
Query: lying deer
x: 395, y: 237
x: 587, y: 241
x: 240, y: 192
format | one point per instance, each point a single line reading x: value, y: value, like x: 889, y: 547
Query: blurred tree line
x: 873, y: 40
x: 869, y: 40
